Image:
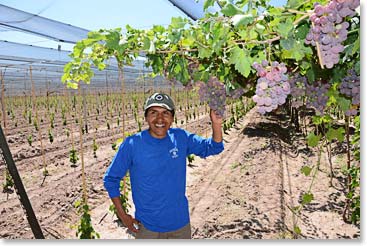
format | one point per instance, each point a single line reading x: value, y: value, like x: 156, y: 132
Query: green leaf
x: 343, y: 103
x: 294, y: 49
x: 204, y: 52
x: 231, y: 10
x: 297, y: 230
x: 306, y: 170
x: 312, y: 139
x: 187, y: 42
x: 207, y: 4
x: 178, y: 22
x: 241, y: 60
x: 301, y: 31
x: 335, y: 134
x: 307, y: 198
x: 356, y: 46
x: 101, y: 66
x: 78, y: 49
x: 287, y: 44
x: 112, y: 40
x: 146, y: 43
x: 242, y: 20
x: 72, y: 85
x: 96, y: 36
x: 294, y: 3
x: 284, y: 28
x: 259, y: 28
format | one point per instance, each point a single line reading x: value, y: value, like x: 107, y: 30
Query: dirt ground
x: 246, y: 192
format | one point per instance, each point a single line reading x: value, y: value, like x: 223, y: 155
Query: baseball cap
x: 160, y: 100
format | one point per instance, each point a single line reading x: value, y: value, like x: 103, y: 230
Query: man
x: 156, y: 160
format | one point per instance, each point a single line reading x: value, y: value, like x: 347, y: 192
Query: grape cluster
x: 350, y: 87
x: 329, y: 28
x: 298, y: 90
x: 317, y: 97
x: 272, y: 86
x: 214, y: 93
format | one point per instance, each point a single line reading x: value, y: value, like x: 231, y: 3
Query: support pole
x: 19, y: 188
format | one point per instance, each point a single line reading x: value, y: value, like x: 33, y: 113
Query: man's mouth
x: 160, y: 125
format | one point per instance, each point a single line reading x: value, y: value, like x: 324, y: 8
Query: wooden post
x: 3, y: 98
x: 19, y: 188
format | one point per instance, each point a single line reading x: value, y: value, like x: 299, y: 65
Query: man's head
x: 161, y: 100
x: 159, y: 111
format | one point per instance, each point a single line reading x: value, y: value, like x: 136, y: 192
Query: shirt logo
x: 174, y: 152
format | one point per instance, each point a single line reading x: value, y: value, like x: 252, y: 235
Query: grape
x: 309, y: 95
x: 330, y: 28
x: 272, y: 86
x: 214, y: 93
x: 350, y: 87
x: 316, y: 96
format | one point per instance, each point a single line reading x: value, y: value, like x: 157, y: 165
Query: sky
x: 93, y: 15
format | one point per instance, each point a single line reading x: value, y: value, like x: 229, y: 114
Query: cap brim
x: 159, y: 105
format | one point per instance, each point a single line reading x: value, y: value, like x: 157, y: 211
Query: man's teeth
x: 159, y: 125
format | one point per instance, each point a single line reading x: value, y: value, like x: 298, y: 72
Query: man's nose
x: 160, y: 116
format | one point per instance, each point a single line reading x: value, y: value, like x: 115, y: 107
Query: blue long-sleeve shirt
x: 158, y: 175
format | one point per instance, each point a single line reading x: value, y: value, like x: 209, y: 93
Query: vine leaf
x: 307, y: 198
x: 231, y: 10
x: 343, y: 103
x: 242, y: 20
x: 204, y: 52
x: 335, y: 133
x: 241, y: 61
x: 297, y: 230
x: 208, y: 3
x: 306, y: 170
x: 312, y: 139
x: 284, y: 28
x: 293, y: 49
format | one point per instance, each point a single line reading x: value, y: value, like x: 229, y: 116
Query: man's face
x: 159, y: 120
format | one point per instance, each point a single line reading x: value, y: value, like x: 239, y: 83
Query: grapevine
x: 228, y: 54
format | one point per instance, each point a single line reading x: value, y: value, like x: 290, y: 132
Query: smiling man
x: 156, y: 160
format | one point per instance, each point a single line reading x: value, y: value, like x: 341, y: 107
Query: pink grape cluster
x: 298, y: 90
x: 330, y: 28
x: 272, y: 86
x: 214, y: 93
x: 317, y: 97
x: 350, y: 87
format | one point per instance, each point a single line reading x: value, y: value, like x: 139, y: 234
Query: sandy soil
x: 246, y: 192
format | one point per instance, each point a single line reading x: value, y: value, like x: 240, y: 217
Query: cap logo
x: 158, y: 97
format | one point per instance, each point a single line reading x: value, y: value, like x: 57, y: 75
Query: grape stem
x: 267, y: 41
x: 319, y: 51
x: 304, y: 15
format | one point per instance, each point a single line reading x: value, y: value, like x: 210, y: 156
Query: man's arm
x: 127, y: 219
x: 216, y: 126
